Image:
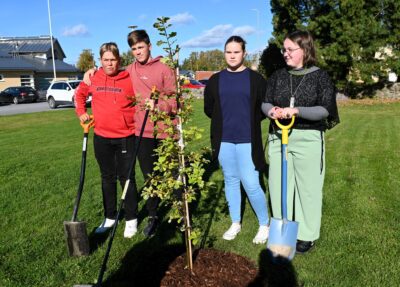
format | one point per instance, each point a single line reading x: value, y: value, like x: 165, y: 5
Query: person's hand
x: 288, y: 113
x: 275, y: 113
x: 84, y: 117
x: 86, y: 77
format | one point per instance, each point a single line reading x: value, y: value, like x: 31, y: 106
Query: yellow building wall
x: 12, y: 78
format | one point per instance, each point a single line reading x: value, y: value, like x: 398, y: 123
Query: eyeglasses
x: 288, y: 50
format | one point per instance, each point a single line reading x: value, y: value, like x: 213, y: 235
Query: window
x: 27, y: 80
x: 1, y: 78
x: 57, y: 86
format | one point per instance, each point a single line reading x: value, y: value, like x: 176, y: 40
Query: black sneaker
x: 151, y: 227
x: 304, y: 246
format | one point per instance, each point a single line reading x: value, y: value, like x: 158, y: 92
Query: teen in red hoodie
x: 114, y: 134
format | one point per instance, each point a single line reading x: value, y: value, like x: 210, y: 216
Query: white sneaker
x: 262, y: 235
x: 130, y: 228
x: 231, y: 233
x: 105, y: 226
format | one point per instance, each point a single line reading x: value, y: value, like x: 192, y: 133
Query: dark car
x: 18, y: 95
x: 204, y: 81
x: 193, y: 84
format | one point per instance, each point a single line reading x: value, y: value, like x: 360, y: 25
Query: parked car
x: 62, y: 93
x: 193, y: 84
x: 18, y: 95
x: 203, y: 81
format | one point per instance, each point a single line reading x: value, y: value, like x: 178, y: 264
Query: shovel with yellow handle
x: 283, y: 232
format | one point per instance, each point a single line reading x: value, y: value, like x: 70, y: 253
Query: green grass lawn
x: 39, y: 173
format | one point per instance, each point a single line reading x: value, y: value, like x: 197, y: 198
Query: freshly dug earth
x: 211, y: 268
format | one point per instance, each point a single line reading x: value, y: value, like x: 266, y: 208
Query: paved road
x: 11, y: 109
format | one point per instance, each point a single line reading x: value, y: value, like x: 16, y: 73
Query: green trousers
x: 305, y: 175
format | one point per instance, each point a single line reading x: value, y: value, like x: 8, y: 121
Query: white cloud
x: 244, y: 31
x: 182, y: 18
x: 77, y: 30
x: 214, y: 37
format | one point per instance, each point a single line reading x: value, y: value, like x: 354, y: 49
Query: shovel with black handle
x: 283, y: 232
x: 75, y: 231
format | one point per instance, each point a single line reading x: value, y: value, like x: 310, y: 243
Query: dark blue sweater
x: 212, y: 108
x: 234, y: 93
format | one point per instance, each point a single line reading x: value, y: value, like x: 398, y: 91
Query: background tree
x: 271, y: 59
x: 213, y: 60
x: 86, y: 60
x: 357, y: 40
x: 127, y: 58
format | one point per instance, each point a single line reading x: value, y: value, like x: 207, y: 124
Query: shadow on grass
x: 273, y: 274
x: 97, y: 240
x: 146, y: 263
x: 207, y: 212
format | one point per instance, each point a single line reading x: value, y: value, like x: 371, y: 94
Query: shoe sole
x: 128, y: 237
x: 230, y: 237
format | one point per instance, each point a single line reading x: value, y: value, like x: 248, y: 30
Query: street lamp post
x: 51, y: 42
x: 255, y: 62
x: 258, y: 24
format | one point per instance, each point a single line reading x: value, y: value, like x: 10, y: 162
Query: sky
x: 86, y: 24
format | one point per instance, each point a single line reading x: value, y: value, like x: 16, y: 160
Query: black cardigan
x: 212, y: 108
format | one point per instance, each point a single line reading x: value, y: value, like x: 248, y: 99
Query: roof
x: 30, y: 45
x: 14, y: 63
x: 33, y: 64
x: 43, y: 65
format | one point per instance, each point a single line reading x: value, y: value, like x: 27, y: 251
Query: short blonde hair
x: 109, y: 47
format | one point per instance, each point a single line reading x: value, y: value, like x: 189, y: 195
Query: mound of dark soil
x: 211, y: 268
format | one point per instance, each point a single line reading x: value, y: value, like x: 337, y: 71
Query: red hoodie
x: 112, y: 110
x: 144, y: 77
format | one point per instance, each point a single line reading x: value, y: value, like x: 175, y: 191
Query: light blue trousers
x: 237, y: 166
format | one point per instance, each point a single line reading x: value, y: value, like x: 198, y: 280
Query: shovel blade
x: 77, y: 239
x: 282, y: 238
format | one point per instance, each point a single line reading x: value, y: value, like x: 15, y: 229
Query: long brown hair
x: 306, y: 42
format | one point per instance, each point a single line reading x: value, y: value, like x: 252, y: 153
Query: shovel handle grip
x: 88, y: 124
x: 285, y: 130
